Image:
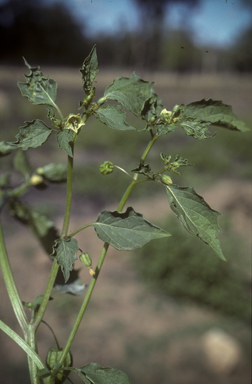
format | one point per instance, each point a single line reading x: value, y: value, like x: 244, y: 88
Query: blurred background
x: 171, y: 312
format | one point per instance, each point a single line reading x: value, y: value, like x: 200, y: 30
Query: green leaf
x: 131, y: 92
x: 53, y: 172
x: 32, y: 135
x: 6, y: 148
x: 144, y: 169
x: 126, y: 230
x: 195, y: 215
x: 41, y: 226
x: 98, y: 375
x: 196, y: 128
x: 89, y: 70
x: 163, y: 129
x: 152, y: 107
x: 38, y: 89
x: 113, y: 116
x: 215, y: 112
x: 65, y: 253
x: 64, y: 139
x: 21, y: 163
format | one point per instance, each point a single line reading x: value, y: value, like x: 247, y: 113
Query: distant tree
x: 152, y: 20
x: 45, y: 33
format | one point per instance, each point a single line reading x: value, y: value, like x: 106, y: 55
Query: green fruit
x: 53, y: 357
x: 85, y: 258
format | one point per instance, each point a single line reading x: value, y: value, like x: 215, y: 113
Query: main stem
x: 102, y: 258
x: 64, y: 231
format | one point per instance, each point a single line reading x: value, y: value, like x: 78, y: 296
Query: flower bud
x: 106, y: 167
x: 36, y: 179
x: 176, y: 108
x: 101, y: 101
x: 166, y: 180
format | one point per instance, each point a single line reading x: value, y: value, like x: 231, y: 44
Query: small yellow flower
x: 74, y: 122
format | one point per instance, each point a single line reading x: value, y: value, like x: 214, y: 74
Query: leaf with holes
x: 38, y: 89
x: 214, y: 112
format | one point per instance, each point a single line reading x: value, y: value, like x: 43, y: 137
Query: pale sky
x: 215, y: 23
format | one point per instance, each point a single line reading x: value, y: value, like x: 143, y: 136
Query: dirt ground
x: 127, y: 326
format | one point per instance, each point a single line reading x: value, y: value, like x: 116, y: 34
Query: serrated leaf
x: 32, y: 135
x: 53, y: 172
x: 21, y: 163
x: 163, y: 129
x: 38, y: 89
x: 131, y: 92
x: 126, y: 230
x: 6, y: 148
x: 195, y: 215
x: 215, y: 112
x: 89, y: 70
x: 113, y: 116
x: 64, y: 253
x: 64, y: 139
x: 40, y: 225
x: 197, y: 129
x: 98, y: 375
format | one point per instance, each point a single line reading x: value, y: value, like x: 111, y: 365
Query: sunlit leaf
x: 131, y: 92
x: 113, y: 116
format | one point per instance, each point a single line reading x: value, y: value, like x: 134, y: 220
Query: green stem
x: 40, y: 314
x: 102, y: 258
x: 11, y: 286
x: 68, y: 196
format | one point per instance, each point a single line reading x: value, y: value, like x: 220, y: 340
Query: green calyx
x: 106, y: 168
x: 85, y: 258
x: 53, y: 357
